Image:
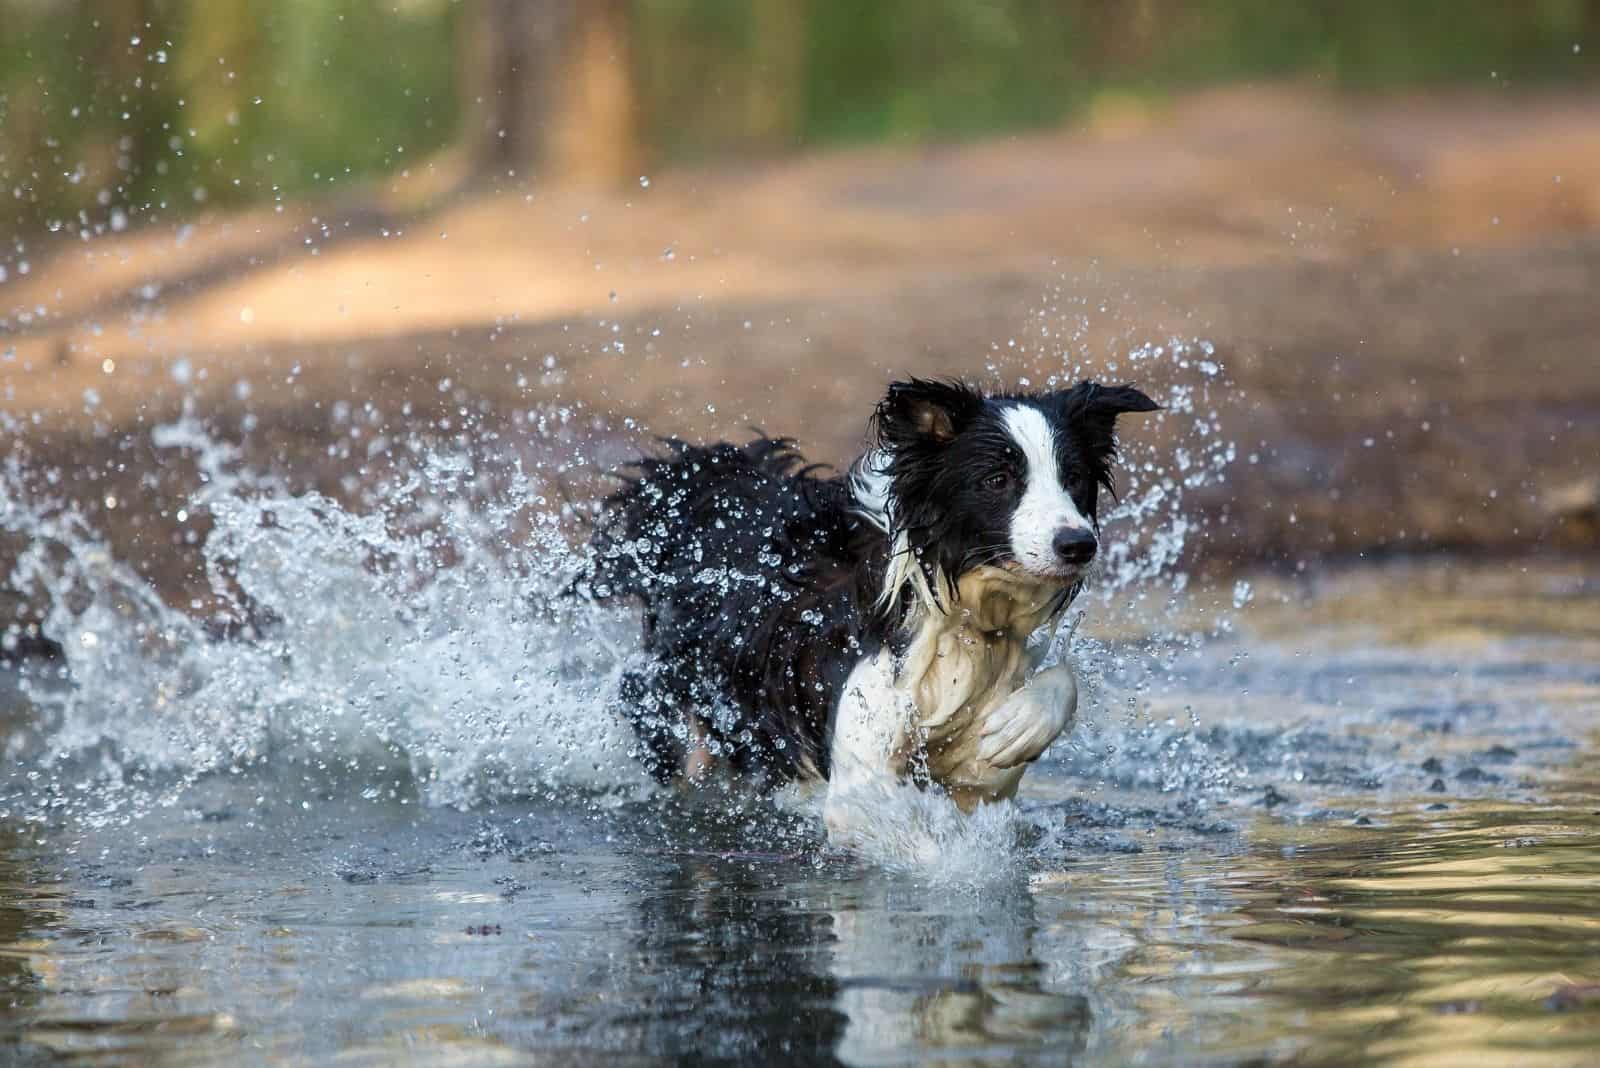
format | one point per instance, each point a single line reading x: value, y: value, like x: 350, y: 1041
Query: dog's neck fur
x: 966, y: 655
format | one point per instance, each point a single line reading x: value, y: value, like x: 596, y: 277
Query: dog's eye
x: 998, y: 481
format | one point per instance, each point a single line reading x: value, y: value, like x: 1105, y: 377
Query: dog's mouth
x: 1045, y: 574
x: 1053, y: 575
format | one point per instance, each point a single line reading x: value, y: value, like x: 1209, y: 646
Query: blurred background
x: 153, y: 106
x: 690, y: 216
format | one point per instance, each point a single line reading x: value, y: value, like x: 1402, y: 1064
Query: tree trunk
x: 594, y: 132
x: 506, y: 54
x: 775, y: 97
x: 548, y: 90
x: 1121, y: 35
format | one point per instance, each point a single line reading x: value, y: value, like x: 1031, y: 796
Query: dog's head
x: 960, y: 479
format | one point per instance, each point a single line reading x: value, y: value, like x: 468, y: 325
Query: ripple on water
x: 389, y: 815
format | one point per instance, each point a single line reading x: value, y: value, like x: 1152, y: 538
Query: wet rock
x: 1575, y: 509
x: 489, y: 840
x: 1184, y: 815
x: 1500, y: 754
x: 28, y: 644
x: 510, y: 887
x: 363, y: 876
x: 1432, y: 766
x: 1272, y: 797
x: 1441, y: 716
x: 1573, y: 996
x: 1437, y: 786
x: 1476, y: 774
x: 1108, y: 843
x: 1437, y: 806
x: 1363, y: 821
x: 1456, y: 1008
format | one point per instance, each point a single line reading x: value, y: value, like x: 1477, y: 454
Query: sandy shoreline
x: 1401, y: 297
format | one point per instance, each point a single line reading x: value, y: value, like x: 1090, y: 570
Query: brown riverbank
x: 1402, y: 295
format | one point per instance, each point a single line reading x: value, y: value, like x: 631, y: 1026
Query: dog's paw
x: 1025, y: 724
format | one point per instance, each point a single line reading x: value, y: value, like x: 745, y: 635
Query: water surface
x: 1364, y: 826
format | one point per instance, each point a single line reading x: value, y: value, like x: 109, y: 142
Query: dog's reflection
x: 925, y: 974
x: 733, y: 963
x: 755, y: 957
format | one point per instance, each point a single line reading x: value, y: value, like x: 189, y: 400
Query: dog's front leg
x: 869, y: 729
x: 1022, y: 726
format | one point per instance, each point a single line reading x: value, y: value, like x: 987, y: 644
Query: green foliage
x: 155, y: 106
x: 317, y: 93
x: 1377, y: 44
x: 912, y: 69
x: 241, y: 100
x: 927, y: 69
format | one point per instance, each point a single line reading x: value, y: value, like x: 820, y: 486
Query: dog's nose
x: 1075, y: 545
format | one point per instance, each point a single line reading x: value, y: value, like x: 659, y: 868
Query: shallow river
x: 1363, y: 827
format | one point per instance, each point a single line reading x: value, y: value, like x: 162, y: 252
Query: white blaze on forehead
x: 1046, y: 507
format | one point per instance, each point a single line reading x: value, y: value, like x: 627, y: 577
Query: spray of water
x: 422, y: 647
x: 421, y: 644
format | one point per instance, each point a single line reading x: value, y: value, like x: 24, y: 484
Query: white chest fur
x: 961, y: 666
x: 959, y: 710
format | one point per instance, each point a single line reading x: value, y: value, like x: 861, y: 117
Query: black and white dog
x: 873, y: 627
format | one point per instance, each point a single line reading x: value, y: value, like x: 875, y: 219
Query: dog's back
x: 757, y: 591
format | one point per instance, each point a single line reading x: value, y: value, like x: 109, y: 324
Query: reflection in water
x: 19, y: 983
x: 1446, y: 938
x: 1383, y: 855
x: 1425, y: 938
x: 733, y: 966
x: 947, y: 973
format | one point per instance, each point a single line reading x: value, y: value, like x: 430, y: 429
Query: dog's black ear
x: 1091, y: 410
x: 922, y: 412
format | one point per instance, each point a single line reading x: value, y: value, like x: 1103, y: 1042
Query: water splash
x: 1141, y: 583
x: 420, y: 648
x: 414, y: 639
x: 901, y: 828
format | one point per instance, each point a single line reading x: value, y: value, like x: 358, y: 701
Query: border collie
x: 869, y: 628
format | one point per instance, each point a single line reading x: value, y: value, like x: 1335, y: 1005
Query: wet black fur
x: 760, y: 580
x: 757, y: 582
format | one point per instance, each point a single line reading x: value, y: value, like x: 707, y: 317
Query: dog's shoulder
x: 757, y: 508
